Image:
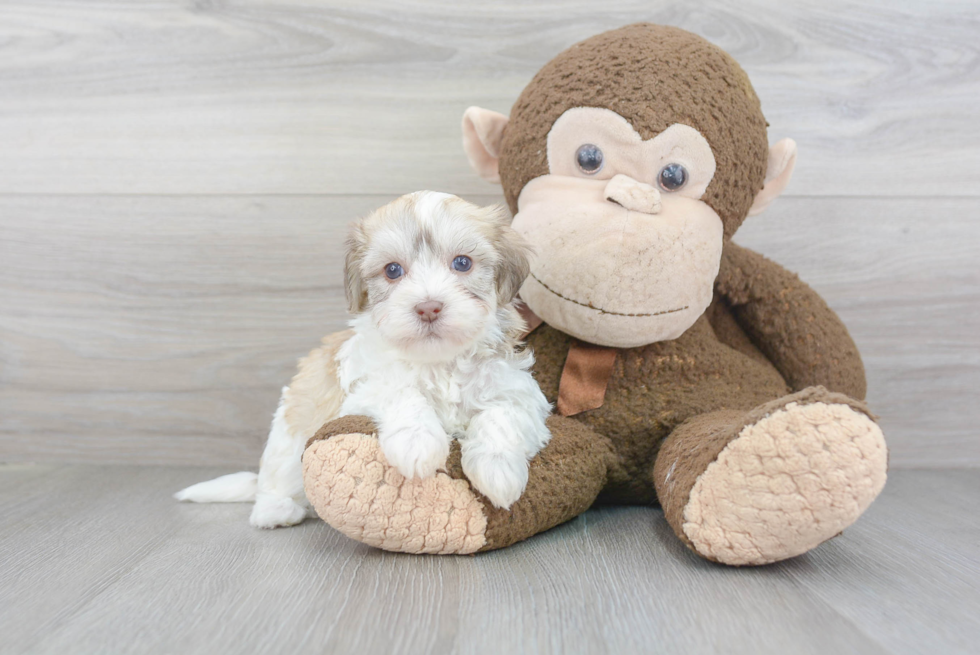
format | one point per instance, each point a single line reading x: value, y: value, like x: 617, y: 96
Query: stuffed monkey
x: 687, y: 371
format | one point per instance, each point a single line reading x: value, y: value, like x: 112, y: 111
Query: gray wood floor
x: 101, y: 560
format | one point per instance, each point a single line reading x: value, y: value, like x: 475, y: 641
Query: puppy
x: 433, y: 355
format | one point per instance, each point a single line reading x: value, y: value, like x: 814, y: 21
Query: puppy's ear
x: 515, y: 255
x: 356, y: 248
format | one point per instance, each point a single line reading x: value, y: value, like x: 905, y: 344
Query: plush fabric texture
x: 653, y: 76
x: 344, y: 425
x: 615, y: 277
x: 786, y: 484
x: 655, y: 388
x: 575, y: 462
x: 793, y: 326
x: 697, y: 444
x: 352, y: 487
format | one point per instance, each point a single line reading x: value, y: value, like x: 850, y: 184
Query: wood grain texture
x: 158, y: 329
x: 100, y: 559
x: 306, y: 96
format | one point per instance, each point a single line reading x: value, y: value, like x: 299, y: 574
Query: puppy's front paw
x: 501, y: 477
x: 276, y: 512
x: 416, y: 452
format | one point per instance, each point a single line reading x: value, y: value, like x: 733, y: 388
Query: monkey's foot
x: 786, y: 483
x: 352, y: 488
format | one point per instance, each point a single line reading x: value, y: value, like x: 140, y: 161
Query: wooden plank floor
x: 101, y: 560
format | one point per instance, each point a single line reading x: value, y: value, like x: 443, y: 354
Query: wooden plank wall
x: 175, y: 179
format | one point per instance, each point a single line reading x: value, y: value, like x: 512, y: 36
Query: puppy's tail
x: 231, y: 488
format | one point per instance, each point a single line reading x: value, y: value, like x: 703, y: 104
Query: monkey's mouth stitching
x: 605, y: 311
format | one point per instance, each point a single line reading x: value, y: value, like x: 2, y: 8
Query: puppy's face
x: 432, y: 270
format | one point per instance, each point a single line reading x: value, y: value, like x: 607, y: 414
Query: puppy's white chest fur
x: 442, y: 386
x: 374, y: 375
x: 372, y: 380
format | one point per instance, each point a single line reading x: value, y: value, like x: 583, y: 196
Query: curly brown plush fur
x: 653, y: 76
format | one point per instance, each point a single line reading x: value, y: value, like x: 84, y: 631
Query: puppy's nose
x: 633, y: 195
x: 429, y: 310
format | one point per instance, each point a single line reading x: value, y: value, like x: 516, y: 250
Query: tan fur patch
x: 352, y: 488
x: 786, y: 484
x: 314, y: 395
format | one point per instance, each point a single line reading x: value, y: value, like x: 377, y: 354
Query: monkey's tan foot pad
x: 787, y: 483
x: 352, y: 488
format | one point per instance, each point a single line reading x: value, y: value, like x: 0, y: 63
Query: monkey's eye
x: 462, y: 263
x: 589, y: 159
x: 672, y: 177
x: 394, y: 270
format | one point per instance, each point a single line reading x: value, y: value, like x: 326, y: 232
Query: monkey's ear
x: 354, y: 288
x: 782, y: 160
x: 483, y: 132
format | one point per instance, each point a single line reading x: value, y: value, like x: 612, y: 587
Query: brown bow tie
x: 586, y: 373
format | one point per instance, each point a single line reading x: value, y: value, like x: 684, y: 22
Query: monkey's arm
x: 790, y: 323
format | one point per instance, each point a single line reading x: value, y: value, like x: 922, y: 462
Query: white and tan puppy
x: 432, y: 355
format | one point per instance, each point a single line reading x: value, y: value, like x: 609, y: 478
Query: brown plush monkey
x: 688, y: 371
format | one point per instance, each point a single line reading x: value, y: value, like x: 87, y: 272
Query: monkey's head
x: 628, y: 161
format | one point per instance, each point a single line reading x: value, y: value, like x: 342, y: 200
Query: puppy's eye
x: 462, y: 264
x: 672, y: 177
x: 589, y: 159
x: 393, y: 271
